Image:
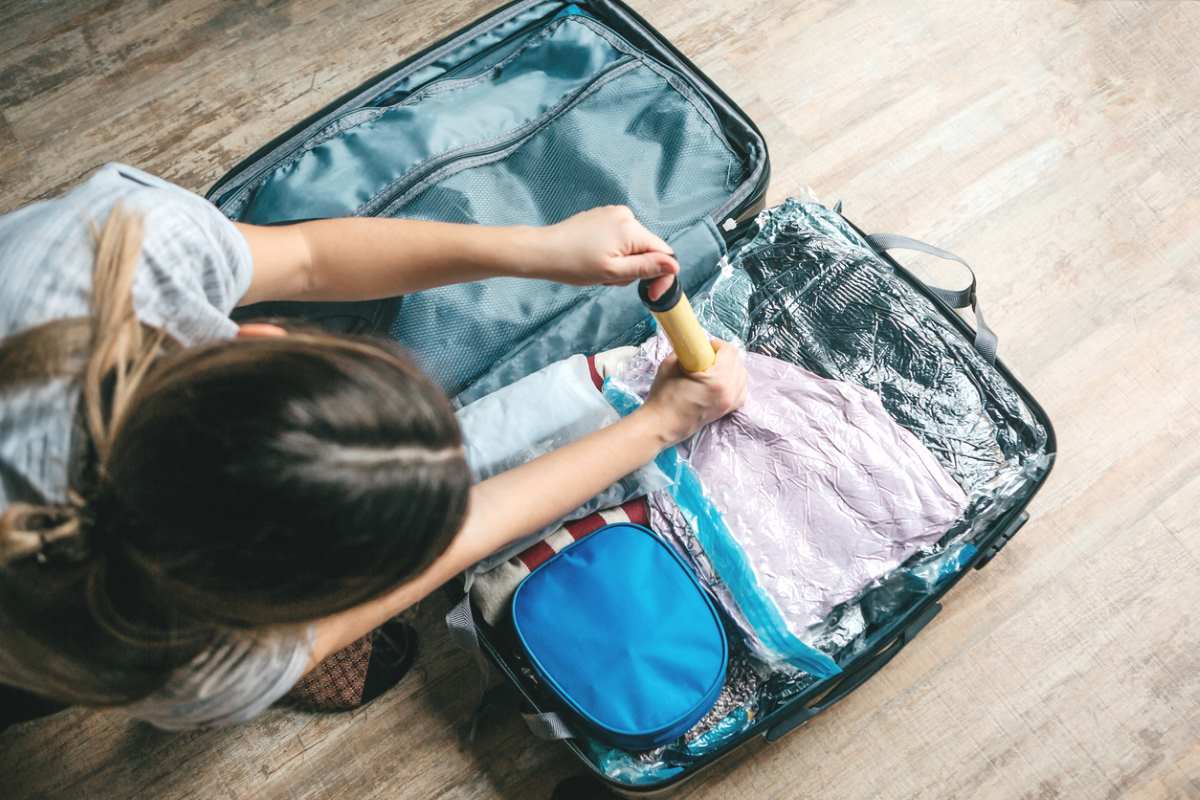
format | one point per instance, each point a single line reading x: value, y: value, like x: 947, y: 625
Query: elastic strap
x: 461, y: 625
x: 985, y: 339
x: 548, y: 726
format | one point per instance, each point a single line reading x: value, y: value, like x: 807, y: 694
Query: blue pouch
x: 619, y: 628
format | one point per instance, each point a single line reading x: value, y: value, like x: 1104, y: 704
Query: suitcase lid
x: 539, y: 111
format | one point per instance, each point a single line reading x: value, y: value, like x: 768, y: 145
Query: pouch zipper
x: 447, y: 80
x: 351, y: 100
x: 315, y: 134
x: 381, y: 82
x: 390, y: 199
x: 398, y: 193
x: 480, y: 156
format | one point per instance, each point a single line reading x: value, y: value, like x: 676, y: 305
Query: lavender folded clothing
x: 820, y: 488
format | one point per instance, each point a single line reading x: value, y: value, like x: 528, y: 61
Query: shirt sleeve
x: 233, y: 681
x: 196, y: 265
x: 193, y: 268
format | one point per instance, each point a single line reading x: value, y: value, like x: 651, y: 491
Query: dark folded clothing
x: 824, y: 300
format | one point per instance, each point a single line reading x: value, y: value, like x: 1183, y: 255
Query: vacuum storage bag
x: 804, y: 288
x: 820, y: 490
x: 822, y: 299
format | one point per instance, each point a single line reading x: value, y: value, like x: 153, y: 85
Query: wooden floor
x: 1053, y: 143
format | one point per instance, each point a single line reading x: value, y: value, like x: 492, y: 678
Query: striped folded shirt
x: 492, y: 590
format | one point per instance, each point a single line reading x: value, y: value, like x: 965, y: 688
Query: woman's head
x: 278, y: 479
x: 239, y: 484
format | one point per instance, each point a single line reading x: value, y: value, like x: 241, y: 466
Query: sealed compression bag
x: 618, y: 627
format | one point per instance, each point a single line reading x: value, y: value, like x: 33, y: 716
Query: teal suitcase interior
x: 530, y: 114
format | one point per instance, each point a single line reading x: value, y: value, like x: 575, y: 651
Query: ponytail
x: 108, y: 354
x: 29, y: 531
x: 53, y: 576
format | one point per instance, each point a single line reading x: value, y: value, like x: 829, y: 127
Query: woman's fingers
x: 645, y: 265
x: 659, y: 285
x: 643, y: 240
x: 730, y: 372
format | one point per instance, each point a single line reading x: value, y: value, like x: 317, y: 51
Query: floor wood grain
x: 1053, y: 143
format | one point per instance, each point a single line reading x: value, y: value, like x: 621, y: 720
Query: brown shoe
x: 359, y: 672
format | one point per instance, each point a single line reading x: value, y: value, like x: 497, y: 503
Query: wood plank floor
x: 1053, y: 143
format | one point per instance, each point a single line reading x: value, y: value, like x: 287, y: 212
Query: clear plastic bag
x: 804, y: 287
x: 822, y: 299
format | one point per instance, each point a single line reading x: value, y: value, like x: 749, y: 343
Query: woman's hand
x: 683, y: 402
x: 604, y: 245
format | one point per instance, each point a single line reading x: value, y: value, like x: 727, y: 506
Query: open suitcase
x: 539, y: 110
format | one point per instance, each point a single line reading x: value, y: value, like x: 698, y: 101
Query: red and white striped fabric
x: 492, y: 590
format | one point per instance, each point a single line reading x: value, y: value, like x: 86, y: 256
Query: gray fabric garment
x: 195, y: 268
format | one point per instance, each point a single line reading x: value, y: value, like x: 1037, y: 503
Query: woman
x: 194, y: 515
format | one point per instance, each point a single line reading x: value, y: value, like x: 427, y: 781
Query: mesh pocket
x: 683, y: 171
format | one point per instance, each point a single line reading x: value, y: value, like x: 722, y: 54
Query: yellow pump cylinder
x: 674, y: 313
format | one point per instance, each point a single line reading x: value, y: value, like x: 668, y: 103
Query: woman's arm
x: 362, y: 258
x: 524, y: 499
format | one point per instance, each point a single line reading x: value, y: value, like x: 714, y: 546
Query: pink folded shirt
x: 821, y: 489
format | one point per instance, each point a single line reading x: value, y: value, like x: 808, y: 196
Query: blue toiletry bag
x: 618, y: 627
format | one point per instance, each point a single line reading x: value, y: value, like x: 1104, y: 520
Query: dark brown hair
x: 238, y: 485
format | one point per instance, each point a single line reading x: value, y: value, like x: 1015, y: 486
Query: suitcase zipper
x: 316, y: 133
x: 335, y: 124
x: 279, y: 147
x: 391, y: 198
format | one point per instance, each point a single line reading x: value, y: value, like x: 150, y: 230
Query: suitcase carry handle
x: 985, y: 338
x: 854, y: 680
